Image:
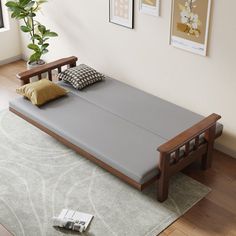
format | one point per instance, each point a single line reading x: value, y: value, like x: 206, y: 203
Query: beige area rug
x: 39, y: 177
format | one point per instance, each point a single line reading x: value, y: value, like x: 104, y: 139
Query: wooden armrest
x: 189, y: 134
x: 47, y: 68
x: 172, y: 159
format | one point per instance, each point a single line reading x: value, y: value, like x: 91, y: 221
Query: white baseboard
x: 11, y: 59
x: 225, y: 150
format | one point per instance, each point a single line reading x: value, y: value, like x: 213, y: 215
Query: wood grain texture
x: 46, y: 68
x: 189, y: 134
x: 4, y: 231
x: 203, y: 151
x: 8, y: 81
x: 214, y: 215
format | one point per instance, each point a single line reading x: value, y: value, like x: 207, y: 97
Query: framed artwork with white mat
x: 150, y: 7
x: 121, y: 12
x: 190, y: 25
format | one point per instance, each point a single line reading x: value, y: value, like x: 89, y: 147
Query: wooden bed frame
x: 170, y: 160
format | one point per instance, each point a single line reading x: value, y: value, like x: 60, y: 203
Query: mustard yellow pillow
x: 41, y: 92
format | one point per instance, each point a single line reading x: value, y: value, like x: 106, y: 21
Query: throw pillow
x: 41, y: 92
x: 81, y: 76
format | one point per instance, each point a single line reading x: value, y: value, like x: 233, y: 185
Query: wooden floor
x: 4, y: 231
x: 8, y: 82
x: 214, y: 215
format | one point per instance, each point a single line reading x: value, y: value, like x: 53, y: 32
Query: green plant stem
x: 36, y: 8
x: 27, y: 26
x: 32, y: 19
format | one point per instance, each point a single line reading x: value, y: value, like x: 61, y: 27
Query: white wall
x: 10, y: 46
x: 143, y: 58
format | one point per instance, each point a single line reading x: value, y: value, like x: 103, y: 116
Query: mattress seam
x: 121, y: 117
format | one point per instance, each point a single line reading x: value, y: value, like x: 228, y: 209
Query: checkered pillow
x: 81, y: 76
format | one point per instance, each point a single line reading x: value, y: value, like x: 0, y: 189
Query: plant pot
x: 34, y: 65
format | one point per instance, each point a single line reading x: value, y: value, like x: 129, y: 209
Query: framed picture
x: 1, y: 16
x: 190, y: 24
x: 150, y: 7
x: 121, y: 12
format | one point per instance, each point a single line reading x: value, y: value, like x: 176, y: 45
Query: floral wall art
x: 190, y: 23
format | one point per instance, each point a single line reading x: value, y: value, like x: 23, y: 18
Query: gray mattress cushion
x: 115, y: 141
x: 145, y: 110
x: 120, y: 125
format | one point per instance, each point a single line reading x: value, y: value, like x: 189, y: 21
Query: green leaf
x: 15, y: 15
x: 36, y: 36
x: 16, y: 12
x: 34, y: 47
x: 25, y: 29
x: 44, y: 46
x: 42, y: 1
x: 50, y: 34
x: 32, y: 14
x: 30, y: 4
x: 21, y: 16
x: 11, y: 4
x: 42, y: 29
x: 45, y: 51
x: 23, y: 3
x: 35, y: 57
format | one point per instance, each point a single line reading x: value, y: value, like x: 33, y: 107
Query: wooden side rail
x: 25, y: 76
x: 185, y: 137
x: 186, y: 147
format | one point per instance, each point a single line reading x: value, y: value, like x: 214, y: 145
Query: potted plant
x: 39, y: 35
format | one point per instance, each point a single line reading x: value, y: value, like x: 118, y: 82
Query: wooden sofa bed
x: 138, y: 137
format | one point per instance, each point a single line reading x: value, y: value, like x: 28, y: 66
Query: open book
x: 73, y: 220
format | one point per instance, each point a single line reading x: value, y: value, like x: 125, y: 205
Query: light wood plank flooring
x: 8, y: 81
x: 212, y: 216
x: 4, y: 231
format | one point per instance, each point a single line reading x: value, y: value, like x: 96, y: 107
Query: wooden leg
x: 163, y: 182
x: 207, y: 158
x: 163, y: 187
x: 206, y: 161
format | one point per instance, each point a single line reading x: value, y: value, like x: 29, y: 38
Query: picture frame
x: 190, y: 25
x: 4, y: 15
x: 1, y: 17
x: 150, y: 7
x: 121, y: 12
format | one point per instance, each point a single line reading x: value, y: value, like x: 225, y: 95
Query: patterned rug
x: 39, y: 177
